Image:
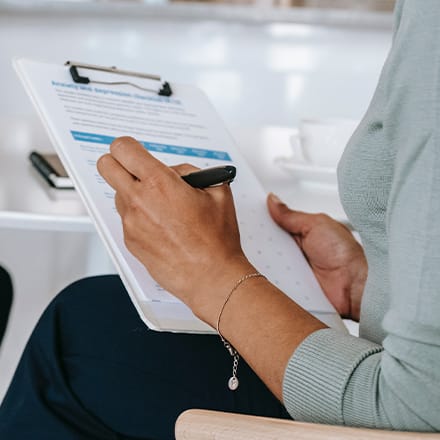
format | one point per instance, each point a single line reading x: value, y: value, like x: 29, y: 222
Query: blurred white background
x: 264, y: 70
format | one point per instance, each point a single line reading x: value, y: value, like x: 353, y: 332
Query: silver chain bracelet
x: 233, y: 380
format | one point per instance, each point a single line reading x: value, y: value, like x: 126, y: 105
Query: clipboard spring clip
x: 163, y: 90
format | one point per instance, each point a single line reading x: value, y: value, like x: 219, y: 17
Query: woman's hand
x: 334, y: 255
x: 187, y: 238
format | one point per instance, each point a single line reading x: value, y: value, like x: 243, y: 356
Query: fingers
x: 119, y: 204
x: 129, y: 161
x: 184, y: 169
x: 136, y: 159
x: 295, y: 222
x: 114, y: 173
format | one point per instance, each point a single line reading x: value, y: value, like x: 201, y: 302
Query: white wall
x: 254, y: 73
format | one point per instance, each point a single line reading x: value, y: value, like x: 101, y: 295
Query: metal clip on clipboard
x: 163, y: 90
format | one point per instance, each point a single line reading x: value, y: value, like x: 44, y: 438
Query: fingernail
x: 275, y: 199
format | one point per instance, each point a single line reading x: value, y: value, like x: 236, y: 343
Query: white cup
x: 321, y: 142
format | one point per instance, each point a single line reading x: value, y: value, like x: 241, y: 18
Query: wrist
x: 357, y: 289
x: 214, y: 289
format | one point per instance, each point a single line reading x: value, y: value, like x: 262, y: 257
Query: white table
x: 262, y: 147
x: 25, y: 203
x: 46, y: 244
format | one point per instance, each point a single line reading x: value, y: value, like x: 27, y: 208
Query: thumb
x: 295, y: 222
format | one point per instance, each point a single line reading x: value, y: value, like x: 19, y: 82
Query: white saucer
x: 308, y: 173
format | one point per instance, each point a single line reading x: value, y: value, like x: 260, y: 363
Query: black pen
x: 211, y: 176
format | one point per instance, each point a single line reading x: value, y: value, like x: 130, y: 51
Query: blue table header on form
x: 158, y: 148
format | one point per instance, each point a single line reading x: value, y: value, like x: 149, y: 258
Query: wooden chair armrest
x: 197, y: 424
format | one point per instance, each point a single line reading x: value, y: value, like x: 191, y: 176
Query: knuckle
x: 134, y: 202
x: 118, y: 203
x: 127, y: 224
x: 184, y: 168
x: 225, y: 193
x: 222, y: 194
x: 129, y: 227
x: 155, y: 181
x: 128, y: 241
x: 321, y: 218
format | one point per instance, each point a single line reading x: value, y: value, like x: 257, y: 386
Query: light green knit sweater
x: 390, y: 187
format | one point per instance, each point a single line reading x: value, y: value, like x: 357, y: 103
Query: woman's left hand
x: 187, y: 238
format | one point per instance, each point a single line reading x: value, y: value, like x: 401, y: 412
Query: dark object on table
x: 51, y: 169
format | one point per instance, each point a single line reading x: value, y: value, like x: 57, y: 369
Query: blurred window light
x: 225, y: 85
x: 374, y: 5
x: 285, y: 58
x: 294, y: 87
x: 286, y: 30
x: 212, y: 52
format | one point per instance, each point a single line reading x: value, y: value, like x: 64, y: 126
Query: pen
x: 211, y: 176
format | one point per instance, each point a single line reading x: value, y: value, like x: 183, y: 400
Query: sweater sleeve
x: 336, y: 378
x: 339, y: 379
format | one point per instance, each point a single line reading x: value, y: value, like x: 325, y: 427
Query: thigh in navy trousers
x: 5, y: 300
x: 93, y: 370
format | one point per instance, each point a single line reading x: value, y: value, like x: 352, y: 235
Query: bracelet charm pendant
x: 233, y: 383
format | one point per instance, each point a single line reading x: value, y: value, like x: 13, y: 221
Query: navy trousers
x: 5, y: 300
x: 93, y: 370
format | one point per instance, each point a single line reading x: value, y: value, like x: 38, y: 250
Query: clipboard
x: 164, y: 88
x: 83, y: 120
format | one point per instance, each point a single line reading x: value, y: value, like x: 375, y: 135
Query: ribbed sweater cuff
x: 317, y: 374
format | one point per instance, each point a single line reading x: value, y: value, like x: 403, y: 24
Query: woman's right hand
x: 336, y: 258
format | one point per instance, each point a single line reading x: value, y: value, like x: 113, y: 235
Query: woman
x: 93, y: 370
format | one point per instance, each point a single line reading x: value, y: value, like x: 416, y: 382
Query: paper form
x: 84, y: 119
